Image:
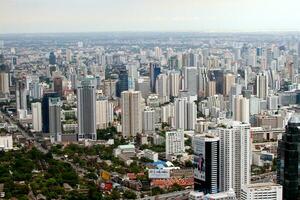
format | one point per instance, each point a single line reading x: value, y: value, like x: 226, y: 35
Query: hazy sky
x: 19, y: 16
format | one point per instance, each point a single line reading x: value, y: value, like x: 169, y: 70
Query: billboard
x: 158, y: 173
x: 199, y: 159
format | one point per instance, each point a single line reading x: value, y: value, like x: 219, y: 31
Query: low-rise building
x: 258, y: 191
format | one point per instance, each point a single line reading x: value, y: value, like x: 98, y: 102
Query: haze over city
x: 36, y: 16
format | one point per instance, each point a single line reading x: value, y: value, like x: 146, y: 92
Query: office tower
x: 202, y: 81
x: 55, y: 119
x: 173, y: 63
x: 262, y: 85
x: 211, y: 88
x: 131, y: 105
x: 110, y: 88
x: 122, y: 84
x: 143, y: 85
x: 104, y: 113
x: 148, y: 117
x: 133, y: 74
x: 37, y: 116
x: 157, y: 52
x: 58, y: 85
x: 168, y: 114
x: 206, y: 163
x: 86, y: 109
x: 162, y: 88
x: 190, y: 75
x: 174, y: 80
x: 259, y: 191
x: 288, y: 160
x: 185, y: 114
x: 21, y: 94
x: 240, y: 109
x: 174, y: 143
x: 154, y: 72
x: 45, y: 109
x: 52, y: 58
x: 235, y: 155
x: 35, y: 89
x: 4, y: 83
x: 68, y: 55
x: 217, y: 75
x: 229, y: 81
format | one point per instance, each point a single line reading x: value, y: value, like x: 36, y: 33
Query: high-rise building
x: 241, y: 109
x: 259, y: 191
x: 229, y: 81
x: 206, y: 163
x: 86, y: 109
x: 185, y: 114
x: 131, y: 105
x: 235, y: 155
x: 154, y: 72
x: 58, y: 85
x: 261, y: 84
x: 162, y: 88
x: 21, y: 94
x: 52, y: 58
x: 4, y: 83
x: 37, y: 116
x: 288, y: 161
x: 174, y: 143
x: 202, y: 81
x: 122, y: 84
x: 104, y: 113
x: 174, y: 80
x: 110, y: 88
x: 45, y: 109
x: 55, y: 119
x: 148, y: 116
x: 190, y: 75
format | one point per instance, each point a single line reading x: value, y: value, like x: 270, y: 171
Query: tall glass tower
x: 288, y: 164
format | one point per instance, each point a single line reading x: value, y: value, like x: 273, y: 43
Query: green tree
x: 128, y: 194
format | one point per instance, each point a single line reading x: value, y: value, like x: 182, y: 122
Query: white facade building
x: 261, y: 191
x: 37, y: 116
x: 235, y: 155
x: 174, y: 143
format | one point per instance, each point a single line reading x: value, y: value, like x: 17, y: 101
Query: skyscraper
x: 229, y: 80
x: 131, y: 113
x: 4, y: 83
x: 55, y: 119
x: 104, y: 113
x: 240, y: 108
x: 52, y: 58
x: 154, y: 72
x: 162, y: 88
x: 45, y: 110
x: 21, y: 94
x: 86, y: 109
x: 288, y: 161
x: 122, y: 84
x: 190, y: 75
x: 206, y: 163
x: 262, y: 85
x: 235, y: 155
x: 58, y: 85
x: 37, y: 116
x: 185, y: 114
x: 148, y: 116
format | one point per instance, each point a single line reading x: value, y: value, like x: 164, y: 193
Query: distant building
x: 52, y: 58
x: 45, y: 110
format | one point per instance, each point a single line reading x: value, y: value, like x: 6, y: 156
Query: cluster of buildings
x: 232, y: 98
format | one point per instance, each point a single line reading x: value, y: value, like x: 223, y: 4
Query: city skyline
x: 133, y: 15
